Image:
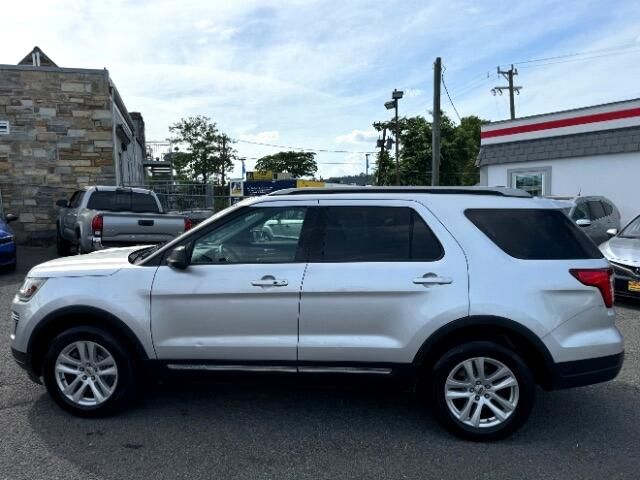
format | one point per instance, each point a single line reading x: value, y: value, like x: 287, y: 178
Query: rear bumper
x: 24, y: 361
x: 586, y: 372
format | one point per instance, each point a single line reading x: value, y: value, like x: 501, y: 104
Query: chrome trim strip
x: 231, y: 368
x: 357, y: 370
x: 276, y: 368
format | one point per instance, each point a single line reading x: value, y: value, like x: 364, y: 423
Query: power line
x: 308, y: 149
x: 580, y: 54
x: 449, y: 96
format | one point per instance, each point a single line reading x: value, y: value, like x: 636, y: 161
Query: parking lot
x: 294, y: 431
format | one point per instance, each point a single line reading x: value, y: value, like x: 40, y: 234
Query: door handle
x: 432, y: 279
x: 269, y: 281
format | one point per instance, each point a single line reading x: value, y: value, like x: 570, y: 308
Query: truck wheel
x: 63, y: 246
x: 482, y: 391
x: 88, y: 372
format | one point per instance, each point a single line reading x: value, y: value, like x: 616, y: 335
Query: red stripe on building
x: 566, y: 122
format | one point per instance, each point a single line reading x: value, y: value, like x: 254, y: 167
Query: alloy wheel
x: 86, y: 373
x: 481, y: 392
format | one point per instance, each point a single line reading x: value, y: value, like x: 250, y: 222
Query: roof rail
x: 490, y: 191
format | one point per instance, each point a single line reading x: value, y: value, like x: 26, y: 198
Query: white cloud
x: 358, y: 137
x: 264, y: 137
x: 413, y: 92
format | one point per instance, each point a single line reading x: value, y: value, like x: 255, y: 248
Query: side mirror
x: 11, y: 217
x: 612, y: 232
x: 61, y: 203
x: 177, y: 259
x: 583, y: 222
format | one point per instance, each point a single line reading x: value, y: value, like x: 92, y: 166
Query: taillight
x: 96, y: 225
x: 187, y: 223
x: 601, y: 278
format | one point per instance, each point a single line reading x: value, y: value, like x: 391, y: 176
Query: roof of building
x: 37, y: 58
x: 604, y: 142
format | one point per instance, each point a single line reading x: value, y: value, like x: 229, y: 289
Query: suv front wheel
x: 88, y: 372
x: 482, y: 391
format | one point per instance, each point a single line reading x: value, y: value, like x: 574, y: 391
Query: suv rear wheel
x: 482, y: 391
x: 88, y: 372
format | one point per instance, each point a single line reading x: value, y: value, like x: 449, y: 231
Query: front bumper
x: 23, y: 360
x: 586, y: 372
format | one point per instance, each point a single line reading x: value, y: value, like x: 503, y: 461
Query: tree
x: 458, y: 152
x: 203, y: 158
x: 298, y: 164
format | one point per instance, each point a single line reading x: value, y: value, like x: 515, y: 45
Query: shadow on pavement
x: 229, y: 430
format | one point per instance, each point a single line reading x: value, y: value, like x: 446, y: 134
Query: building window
x: 536, y: 181
x: 4, y: 127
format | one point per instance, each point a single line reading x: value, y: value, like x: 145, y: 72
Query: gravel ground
x: 287, y: 431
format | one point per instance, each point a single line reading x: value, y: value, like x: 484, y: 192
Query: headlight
x: 30, y: 287
x: 7, y: 239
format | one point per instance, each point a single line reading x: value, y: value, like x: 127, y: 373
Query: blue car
x: 7, y: 243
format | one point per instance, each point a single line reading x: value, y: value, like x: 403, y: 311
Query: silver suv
x: 472, y: 296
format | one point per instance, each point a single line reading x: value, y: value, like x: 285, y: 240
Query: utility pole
x: 393, y: 104
x: 223, y: 154
x: 435, y: 127
x: 381, y: 144
x: 397, y: 125
x: 508, y: 75
x: 366, y: 176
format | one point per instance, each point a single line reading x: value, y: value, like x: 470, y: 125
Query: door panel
x: 213, y: 312
x: 380, y: 312
x: 239, y: 297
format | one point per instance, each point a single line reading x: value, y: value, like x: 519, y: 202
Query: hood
x: 100, y: 263
x: 622, y: 250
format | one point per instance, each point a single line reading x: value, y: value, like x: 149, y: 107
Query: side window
x: 608, y: 209
x: 581, y: 212
x: 75, y: 200
x: 595, y: 207
x: 259, y: 235
x: 377, y: 234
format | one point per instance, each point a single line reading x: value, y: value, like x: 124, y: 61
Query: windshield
x: 632, y: 230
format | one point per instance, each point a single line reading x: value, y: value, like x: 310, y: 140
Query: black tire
x: 124, y: 390
x: 63, y: 246
x: 492, y: 351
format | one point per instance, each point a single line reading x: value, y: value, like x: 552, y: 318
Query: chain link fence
x: 196, y: 200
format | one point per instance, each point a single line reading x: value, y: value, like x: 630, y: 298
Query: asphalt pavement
x: 281, y: 431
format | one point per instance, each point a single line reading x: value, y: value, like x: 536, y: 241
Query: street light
x: 393, y: 104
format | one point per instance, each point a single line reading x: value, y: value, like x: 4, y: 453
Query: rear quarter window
x: 534, y: 234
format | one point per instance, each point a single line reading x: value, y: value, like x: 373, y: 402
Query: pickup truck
x: 103, y: 217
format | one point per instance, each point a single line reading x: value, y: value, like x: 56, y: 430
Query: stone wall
x: 61, y: 138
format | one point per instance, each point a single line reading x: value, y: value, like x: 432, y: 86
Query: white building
x: 586, y: 151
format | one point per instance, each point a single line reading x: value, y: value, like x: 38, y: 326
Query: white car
x: 472, y: 295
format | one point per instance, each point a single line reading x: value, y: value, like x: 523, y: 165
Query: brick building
x: 61, y: 129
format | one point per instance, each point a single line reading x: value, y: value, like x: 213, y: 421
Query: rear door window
x: 534, y: 234
x: 596, y: 209
x: 581, y: 212
x: 608, y: 209
x: 377, y: 234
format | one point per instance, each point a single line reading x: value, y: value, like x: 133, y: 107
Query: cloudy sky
x: 315, y: 74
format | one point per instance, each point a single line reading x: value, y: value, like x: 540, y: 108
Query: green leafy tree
x: 458, y: 152
x: 298, y: 164
x: 202, y: 159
